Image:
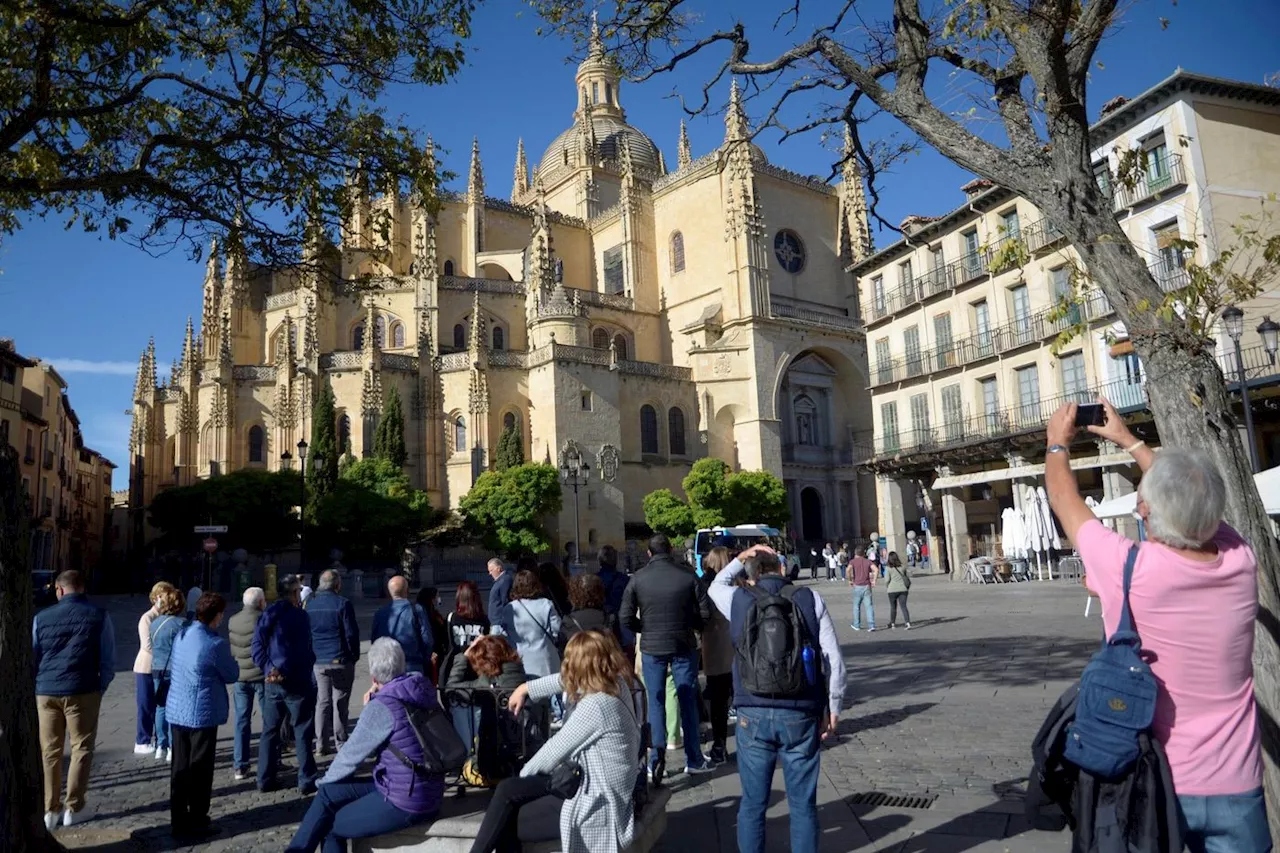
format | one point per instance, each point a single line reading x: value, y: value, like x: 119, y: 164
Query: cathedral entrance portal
x: 811, y: 515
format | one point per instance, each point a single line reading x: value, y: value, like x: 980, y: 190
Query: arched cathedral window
x: 460, y: 435
x: 600, y: 339
x: 397, y: 335
x: 499, y: 338
x: 357, y: 337
x: 448, y: 267
x: 648, y: 430
x: 620, y: 344
x: 256, y: 441
x: 675, y: 431
x: 677, y: 252
x: 459, y: 336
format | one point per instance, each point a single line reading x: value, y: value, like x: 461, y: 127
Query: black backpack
x: 770, y: 649
x: 442, y: 750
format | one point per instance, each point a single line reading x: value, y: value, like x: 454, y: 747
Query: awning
x: 1267, y: 483
x: 976, y: 478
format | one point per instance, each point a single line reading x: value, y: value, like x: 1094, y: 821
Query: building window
x: 499, y: 338
x: 982, y: 326
x: 788, y: 248
x: 1102, y: 177
x: 448, y: 267
x: 1074, y: 384
x: 509, y: 421
x: 380, y: 331
x: 936, y: 260
x: 600, y: 339
x: 884, y: 369
x: 648, y: 430
x: 357, y: 337
x: 1021, y: 313
x: 972, y: 258
x: 8, y: 374
x: 920, y: 419
x: 877, y: 289
x: 614, y: 280
x: 595, y: 92
x: 584, y: 401
x: 1156, y: 162
x: 904, y: 275
x: 677, y: 252
x: 990, y: 401
x: 255, y: 444
x: 459, y: 434
x: 397, y: 335
x: 620, y: 344
x: 1029, y: 395
x: 675, y: 431
x: 1060, y: 281
x: 459, y: 336
x: 1010, y: 226
x: 911, y: 346
x: 591, y: 500
x: 608, y: 93
x: 952, y: 413
x: 944, y: 347
x: 344, y: 434
x: 1171, y: 258
x: 889, y: 426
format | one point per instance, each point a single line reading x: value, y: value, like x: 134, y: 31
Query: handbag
x: 565, y: 780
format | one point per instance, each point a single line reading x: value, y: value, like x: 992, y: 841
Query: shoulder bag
x: 559, y: 642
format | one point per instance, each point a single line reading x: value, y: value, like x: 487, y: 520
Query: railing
x: 287, y: 299
x: 842, y: 322
x: 655, y: 370
x: 1041, y: 235
x: 806, y: 454
x: 342, y: 360
x: 254, y: 372
x: 508, y: 358
x: 483, y: 285
x: 29, y: 458
x: 455, y: 361
x: 933, y: 282
x: 1171, y: 274
x: 617, y: 301
x: 1148, y: 186
x: 969, y: 268
x: 399, y: 361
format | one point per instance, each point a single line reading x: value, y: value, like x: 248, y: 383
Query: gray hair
x: 329, y: 580
x: 254, y: 598
x: 1185, y: 498
x: 386, y: 660
x: 495, y: 563
x: 762, y: 564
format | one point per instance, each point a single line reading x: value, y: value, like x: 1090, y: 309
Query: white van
x: 737, y: 538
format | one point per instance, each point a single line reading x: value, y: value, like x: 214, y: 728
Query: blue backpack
x: 1117, y: 699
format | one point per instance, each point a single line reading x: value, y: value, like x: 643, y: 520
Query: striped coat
x: 603, y: 735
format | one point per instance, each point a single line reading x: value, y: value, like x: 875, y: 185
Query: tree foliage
x: 256, y: 506
x: 388, y: 441
x: 667, y: 514
x: 199, y: 119
x: 372, y: 513
x: 510, y: 449
x: 508, y: 510
x: 756, y: 497
x: 324, y: 445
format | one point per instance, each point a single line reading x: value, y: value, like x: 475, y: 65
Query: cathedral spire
x: 140, y: 394
x: 187, y: 365
x: 151, y: 363
x: 587, y: 136
x: 684, y: 153
x: 735, y: 117
x: 855, y: 227
x: 520, y: 186
x: 225, y: 357
x: 595, y: 44
x: 475, y: 179
x: 476, y: 344
x: 371, y: 342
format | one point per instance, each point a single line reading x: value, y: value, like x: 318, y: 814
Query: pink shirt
x: 1196, y: 618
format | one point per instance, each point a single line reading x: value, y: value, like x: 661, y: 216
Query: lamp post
x: 576, y: 473
x: 302, y: 508
x: 1233, y: 321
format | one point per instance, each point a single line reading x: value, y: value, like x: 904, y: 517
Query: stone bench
x: 454, y: 831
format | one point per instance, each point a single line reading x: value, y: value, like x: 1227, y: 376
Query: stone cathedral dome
x: 609, y: 130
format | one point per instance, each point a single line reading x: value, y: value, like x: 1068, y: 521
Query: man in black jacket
x: 665, y: 604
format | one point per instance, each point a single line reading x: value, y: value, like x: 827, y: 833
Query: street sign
x: 211, y: 528
x: 924, y: 525
x: 210, y: 545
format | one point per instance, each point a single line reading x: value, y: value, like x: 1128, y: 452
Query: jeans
x: 244, y: 693
x: 764, y: 735
x: 145, y: 694
x: 861, y: 596
x: 1230, y: 823
x: 343, y: 810
x: 896, y: 600
x: 74, y: 719
x: 500, y: 828
x: 300, y: 708
x: 162, y: 727
x: 333, y: 704
x: 191, y: 779
x: 684, y: 672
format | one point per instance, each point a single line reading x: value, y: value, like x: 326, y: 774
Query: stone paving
x: 947, y: 709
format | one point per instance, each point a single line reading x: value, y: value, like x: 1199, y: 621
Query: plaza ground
x: 947, y: 710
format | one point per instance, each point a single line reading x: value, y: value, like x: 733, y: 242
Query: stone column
x: 893, y: 524
x: 956, y: 520
x: 1116, y: 483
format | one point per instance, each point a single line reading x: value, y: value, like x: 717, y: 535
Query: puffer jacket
x: 665, y: 604
x: 240, y: 629
x: 200, y: 669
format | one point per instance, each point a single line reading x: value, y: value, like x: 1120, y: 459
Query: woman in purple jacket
x: 394, y: 799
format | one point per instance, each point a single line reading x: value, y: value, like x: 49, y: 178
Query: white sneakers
x: 51, y: 820
x: 161, y: 753
x: 70, y: 818
x: 142, y: 749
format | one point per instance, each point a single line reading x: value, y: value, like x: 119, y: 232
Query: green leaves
x: 510, y: 449
x: 388, y: 440
x: 665, y: 513
x: 372, y: 512
x: 257, y: 506
x: 718, y: 497
x: 508, y: 509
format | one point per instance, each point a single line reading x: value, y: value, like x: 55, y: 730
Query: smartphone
x: 1090, y: 414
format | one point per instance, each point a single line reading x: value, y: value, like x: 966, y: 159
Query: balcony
x: 46, y: 507
x: 48, y: 460
x: 809, y: 317
x: 1042, y: 235
x: 971, y: 267
x: 1167, y: 174
x: 1171, y: 273
x: 29, y: 458
x: 933, y: 282
x: 805, y: 454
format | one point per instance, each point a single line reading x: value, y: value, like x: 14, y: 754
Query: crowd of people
x: 627, y: 669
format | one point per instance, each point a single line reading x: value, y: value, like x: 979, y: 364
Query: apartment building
x: 964, y: 315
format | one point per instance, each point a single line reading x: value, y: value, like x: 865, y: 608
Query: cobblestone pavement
x: 947, y: 710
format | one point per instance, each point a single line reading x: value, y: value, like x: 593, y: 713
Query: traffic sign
x: 211, y: 528
x: 210, y: 545
x: 924, y: 525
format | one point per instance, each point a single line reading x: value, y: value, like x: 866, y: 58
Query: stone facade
x: 651, y: 317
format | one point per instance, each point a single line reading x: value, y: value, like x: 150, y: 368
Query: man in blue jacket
x: 335, y: 639
x: 406, y: 623
x: 282, y: 650
x: 500, y: 592
x: 74, y: 648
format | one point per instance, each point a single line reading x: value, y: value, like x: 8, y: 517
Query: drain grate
x: 892, y: 801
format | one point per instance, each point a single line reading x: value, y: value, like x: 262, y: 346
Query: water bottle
x: 810, y: 665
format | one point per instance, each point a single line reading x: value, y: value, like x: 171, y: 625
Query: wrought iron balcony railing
x: 1162, y: 174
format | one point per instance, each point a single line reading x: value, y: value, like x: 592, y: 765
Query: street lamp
x: 1233, y: 321
x: 286, y: 461
x: 1269, y: 330
x: 575, y: 472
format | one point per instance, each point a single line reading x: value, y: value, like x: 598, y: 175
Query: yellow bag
x: 473, y: 778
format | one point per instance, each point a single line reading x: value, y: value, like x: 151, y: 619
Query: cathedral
x: 641, y: 316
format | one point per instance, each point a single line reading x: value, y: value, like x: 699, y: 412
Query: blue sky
x: 89, y: 304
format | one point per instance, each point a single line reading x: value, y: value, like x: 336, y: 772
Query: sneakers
x: 697, y: 769
x: 51, y: 820
x: 718, y: 755
x: 142, y: 749
x: 162, y: 754
x: 854, y: 627
x: 240, y: 775
x: 672, y: 746
x: 658, y: 769
x: 891, y: 626
x: 871, y: 630
x: 908, y: 626
x: 70, y: 818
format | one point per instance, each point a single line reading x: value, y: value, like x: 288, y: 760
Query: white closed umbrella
x: 1013, y: 534
x: 1051, y: 530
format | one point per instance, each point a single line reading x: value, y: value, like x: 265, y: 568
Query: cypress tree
x: 388, y: 441
x: 510, y: 449
x: 324, y: 445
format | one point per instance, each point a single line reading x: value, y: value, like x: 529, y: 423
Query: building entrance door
x: 811, y: 515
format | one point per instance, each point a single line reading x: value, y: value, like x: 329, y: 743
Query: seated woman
x: 602, y: 734
x: 396, y: 798
x: 490, y: 662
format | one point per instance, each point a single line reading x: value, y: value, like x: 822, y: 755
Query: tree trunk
x: 21, y: 776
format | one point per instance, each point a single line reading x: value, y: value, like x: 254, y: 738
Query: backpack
x: 770, y: 650
x: 442, y: 750
x: 1117, y: 700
